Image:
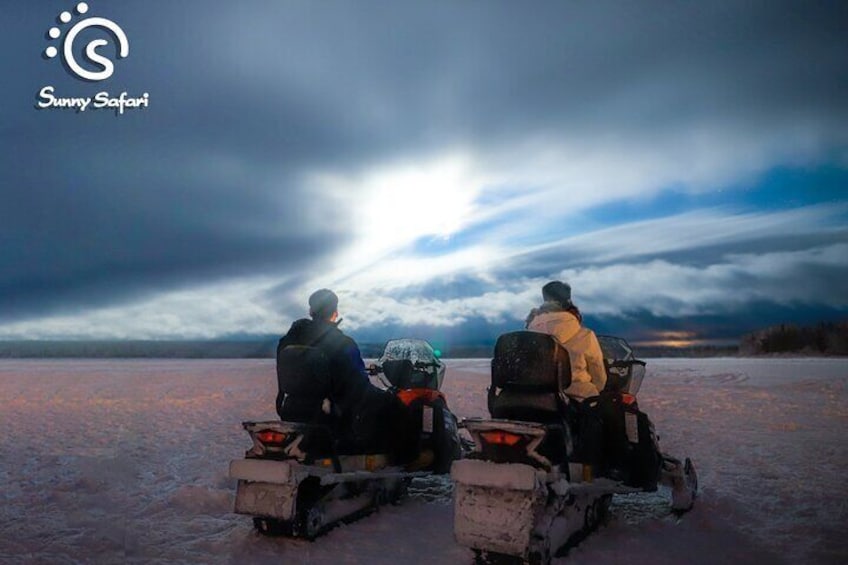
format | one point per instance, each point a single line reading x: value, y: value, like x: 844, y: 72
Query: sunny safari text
x: 101, y: 100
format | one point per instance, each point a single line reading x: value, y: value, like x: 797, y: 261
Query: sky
x: 683, y: 165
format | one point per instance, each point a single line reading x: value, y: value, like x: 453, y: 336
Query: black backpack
x: 303, y: 382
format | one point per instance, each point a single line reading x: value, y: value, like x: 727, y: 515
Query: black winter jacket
x: 348, y: 378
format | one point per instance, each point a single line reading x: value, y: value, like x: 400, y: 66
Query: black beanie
x: 557, y: 291
x: 323, y: 303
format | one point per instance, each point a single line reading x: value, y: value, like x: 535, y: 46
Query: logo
x: 91, y: 49
x: 98, y: 67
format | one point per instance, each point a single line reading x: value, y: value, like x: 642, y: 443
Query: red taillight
x: 408, y: 396
x: 269, y: 437
x: 627, y: 399
x: 497, y: 437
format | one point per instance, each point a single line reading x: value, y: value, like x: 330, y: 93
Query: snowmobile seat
x: 530, y: 371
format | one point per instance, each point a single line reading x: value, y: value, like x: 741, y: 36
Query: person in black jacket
x: 322, y: 379
x: 347, y: 377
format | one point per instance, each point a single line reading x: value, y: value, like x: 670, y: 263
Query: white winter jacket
x: 588, y: 375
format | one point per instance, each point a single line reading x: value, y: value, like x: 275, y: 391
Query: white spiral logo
x: 91, y: 49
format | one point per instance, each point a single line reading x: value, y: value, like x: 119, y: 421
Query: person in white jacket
x: 559, y: 317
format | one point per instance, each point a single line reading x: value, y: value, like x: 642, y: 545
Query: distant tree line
x: 652, y: 351
x: 826, y: 338
x: 139, y: 349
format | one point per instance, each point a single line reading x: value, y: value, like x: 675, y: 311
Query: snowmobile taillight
x: 410, y: 395
x: 627, y: 399
x: 498, y: 437
x: 271, y: 437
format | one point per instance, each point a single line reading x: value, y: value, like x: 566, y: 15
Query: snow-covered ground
x: 125, y: 461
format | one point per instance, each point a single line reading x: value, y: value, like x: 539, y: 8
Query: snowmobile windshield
x: 423, y: 370
x: 615, y: 348
x: 624, y: 371
x: 416, y: 350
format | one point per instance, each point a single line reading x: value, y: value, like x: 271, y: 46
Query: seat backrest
x: 530, y: 361
x: 530, y: 371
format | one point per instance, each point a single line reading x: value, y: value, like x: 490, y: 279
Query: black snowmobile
x: 300, y: 479
x: 544, y: 468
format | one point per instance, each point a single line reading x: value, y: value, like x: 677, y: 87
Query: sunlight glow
x: 681, y: 339
x: 404, y: 203
x: 397, y: 205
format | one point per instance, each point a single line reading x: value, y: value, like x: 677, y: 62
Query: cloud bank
x: 435, y: 163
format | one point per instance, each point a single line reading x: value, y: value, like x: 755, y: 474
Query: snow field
x: 125, y: 461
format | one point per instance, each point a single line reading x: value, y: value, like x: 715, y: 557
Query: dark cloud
x: 446, y: 288
x: 109, y: 226
x: 575, y: 255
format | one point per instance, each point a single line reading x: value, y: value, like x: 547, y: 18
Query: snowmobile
x: 299, y: 480
x: 544, y: 469
x: 413, y: 371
